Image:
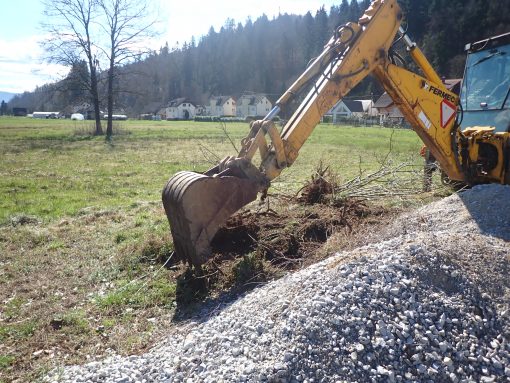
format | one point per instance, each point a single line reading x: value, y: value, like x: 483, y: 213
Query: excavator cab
x: 485, y: 111
x: 485, y: 89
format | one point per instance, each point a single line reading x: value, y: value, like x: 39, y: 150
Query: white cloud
x: 22, y: 66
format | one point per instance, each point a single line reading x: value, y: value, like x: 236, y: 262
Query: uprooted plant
x: 287, y: 237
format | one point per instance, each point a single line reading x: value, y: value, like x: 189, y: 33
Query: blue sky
x: 21, y: 64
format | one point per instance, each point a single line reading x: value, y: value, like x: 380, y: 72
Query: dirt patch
x: 299, y: 225
x: 255, y: 246
x: 286, y: 237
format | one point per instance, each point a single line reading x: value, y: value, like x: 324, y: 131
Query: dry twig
x: 224, y: 128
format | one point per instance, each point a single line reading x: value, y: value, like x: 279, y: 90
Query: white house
x: 347, y: 109
x: 368, y: 108
x: 252, y: 105
x: 180, y: 109
x: 387, y: 110
x: 222, y: 106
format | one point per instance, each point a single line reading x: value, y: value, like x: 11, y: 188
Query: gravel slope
x: 429, y: 302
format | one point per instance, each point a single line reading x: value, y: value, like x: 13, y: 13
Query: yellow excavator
x: 468, y: 135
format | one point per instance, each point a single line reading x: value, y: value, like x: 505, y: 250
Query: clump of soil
x: 258, y: 245
x: 290, y: 235
x: 275, y: 242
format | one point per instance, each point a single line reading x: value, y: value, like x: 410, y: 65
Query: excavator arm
x: 197, y: 204
x: 354, y: 52
x: 424, y: 101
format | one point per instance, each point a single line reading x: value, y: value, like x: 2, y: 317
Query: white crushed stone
x: 401, y: 310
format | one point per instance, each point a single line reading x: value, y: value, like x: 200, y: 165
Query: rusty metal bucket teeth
x: 197, y: 205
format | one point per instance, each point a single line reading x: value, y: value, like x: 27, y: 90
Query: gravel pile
x: 428, y: 303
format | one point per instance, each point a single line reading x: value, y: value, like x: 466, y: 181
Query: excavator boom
x: 198, y: 204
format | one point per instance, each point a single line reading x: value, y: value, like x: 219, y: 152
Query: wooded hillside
x: 267, y: 55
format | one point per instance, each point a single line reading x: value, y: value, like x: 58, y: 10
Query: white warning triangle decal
x: 447, y: 112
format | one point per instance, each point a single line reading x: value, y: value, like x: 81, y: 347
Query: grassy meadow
x: 83, y: 234
x: 54, y: 168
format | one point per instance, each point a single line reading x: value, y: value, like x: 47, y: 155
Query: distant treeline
x: 266, y: 56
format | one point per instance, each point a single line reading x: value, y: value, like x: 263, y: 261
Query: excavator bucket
x: 198, y: 204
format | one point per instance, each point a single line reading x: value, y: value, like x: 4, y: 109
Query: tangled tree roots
x: 286, y: 238
x: 320, y: 188
x: 253, y: 246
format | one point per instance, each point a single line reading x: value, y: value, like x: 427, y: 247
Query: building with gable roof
x: 222, y: 106
x: 387, y: 110
x: 346, y: 109
x: 180, y: 109
x: 253, y: 105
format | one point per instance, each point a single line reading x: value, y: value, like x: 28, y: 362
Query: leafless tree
x: 70, y: 26
x: 128, y: 26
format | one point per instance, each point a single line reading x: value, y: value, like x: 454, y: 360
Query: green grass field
x: 53, y: 168
x: 83, y: 234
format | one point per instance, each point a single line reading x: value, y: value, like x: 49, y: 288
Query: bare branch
x: 224, y: 128
x: 125, y: 27
x: 70, y: 41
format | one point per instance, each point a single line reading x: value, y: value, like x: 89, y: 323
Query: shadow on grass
x: 199, y: 298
